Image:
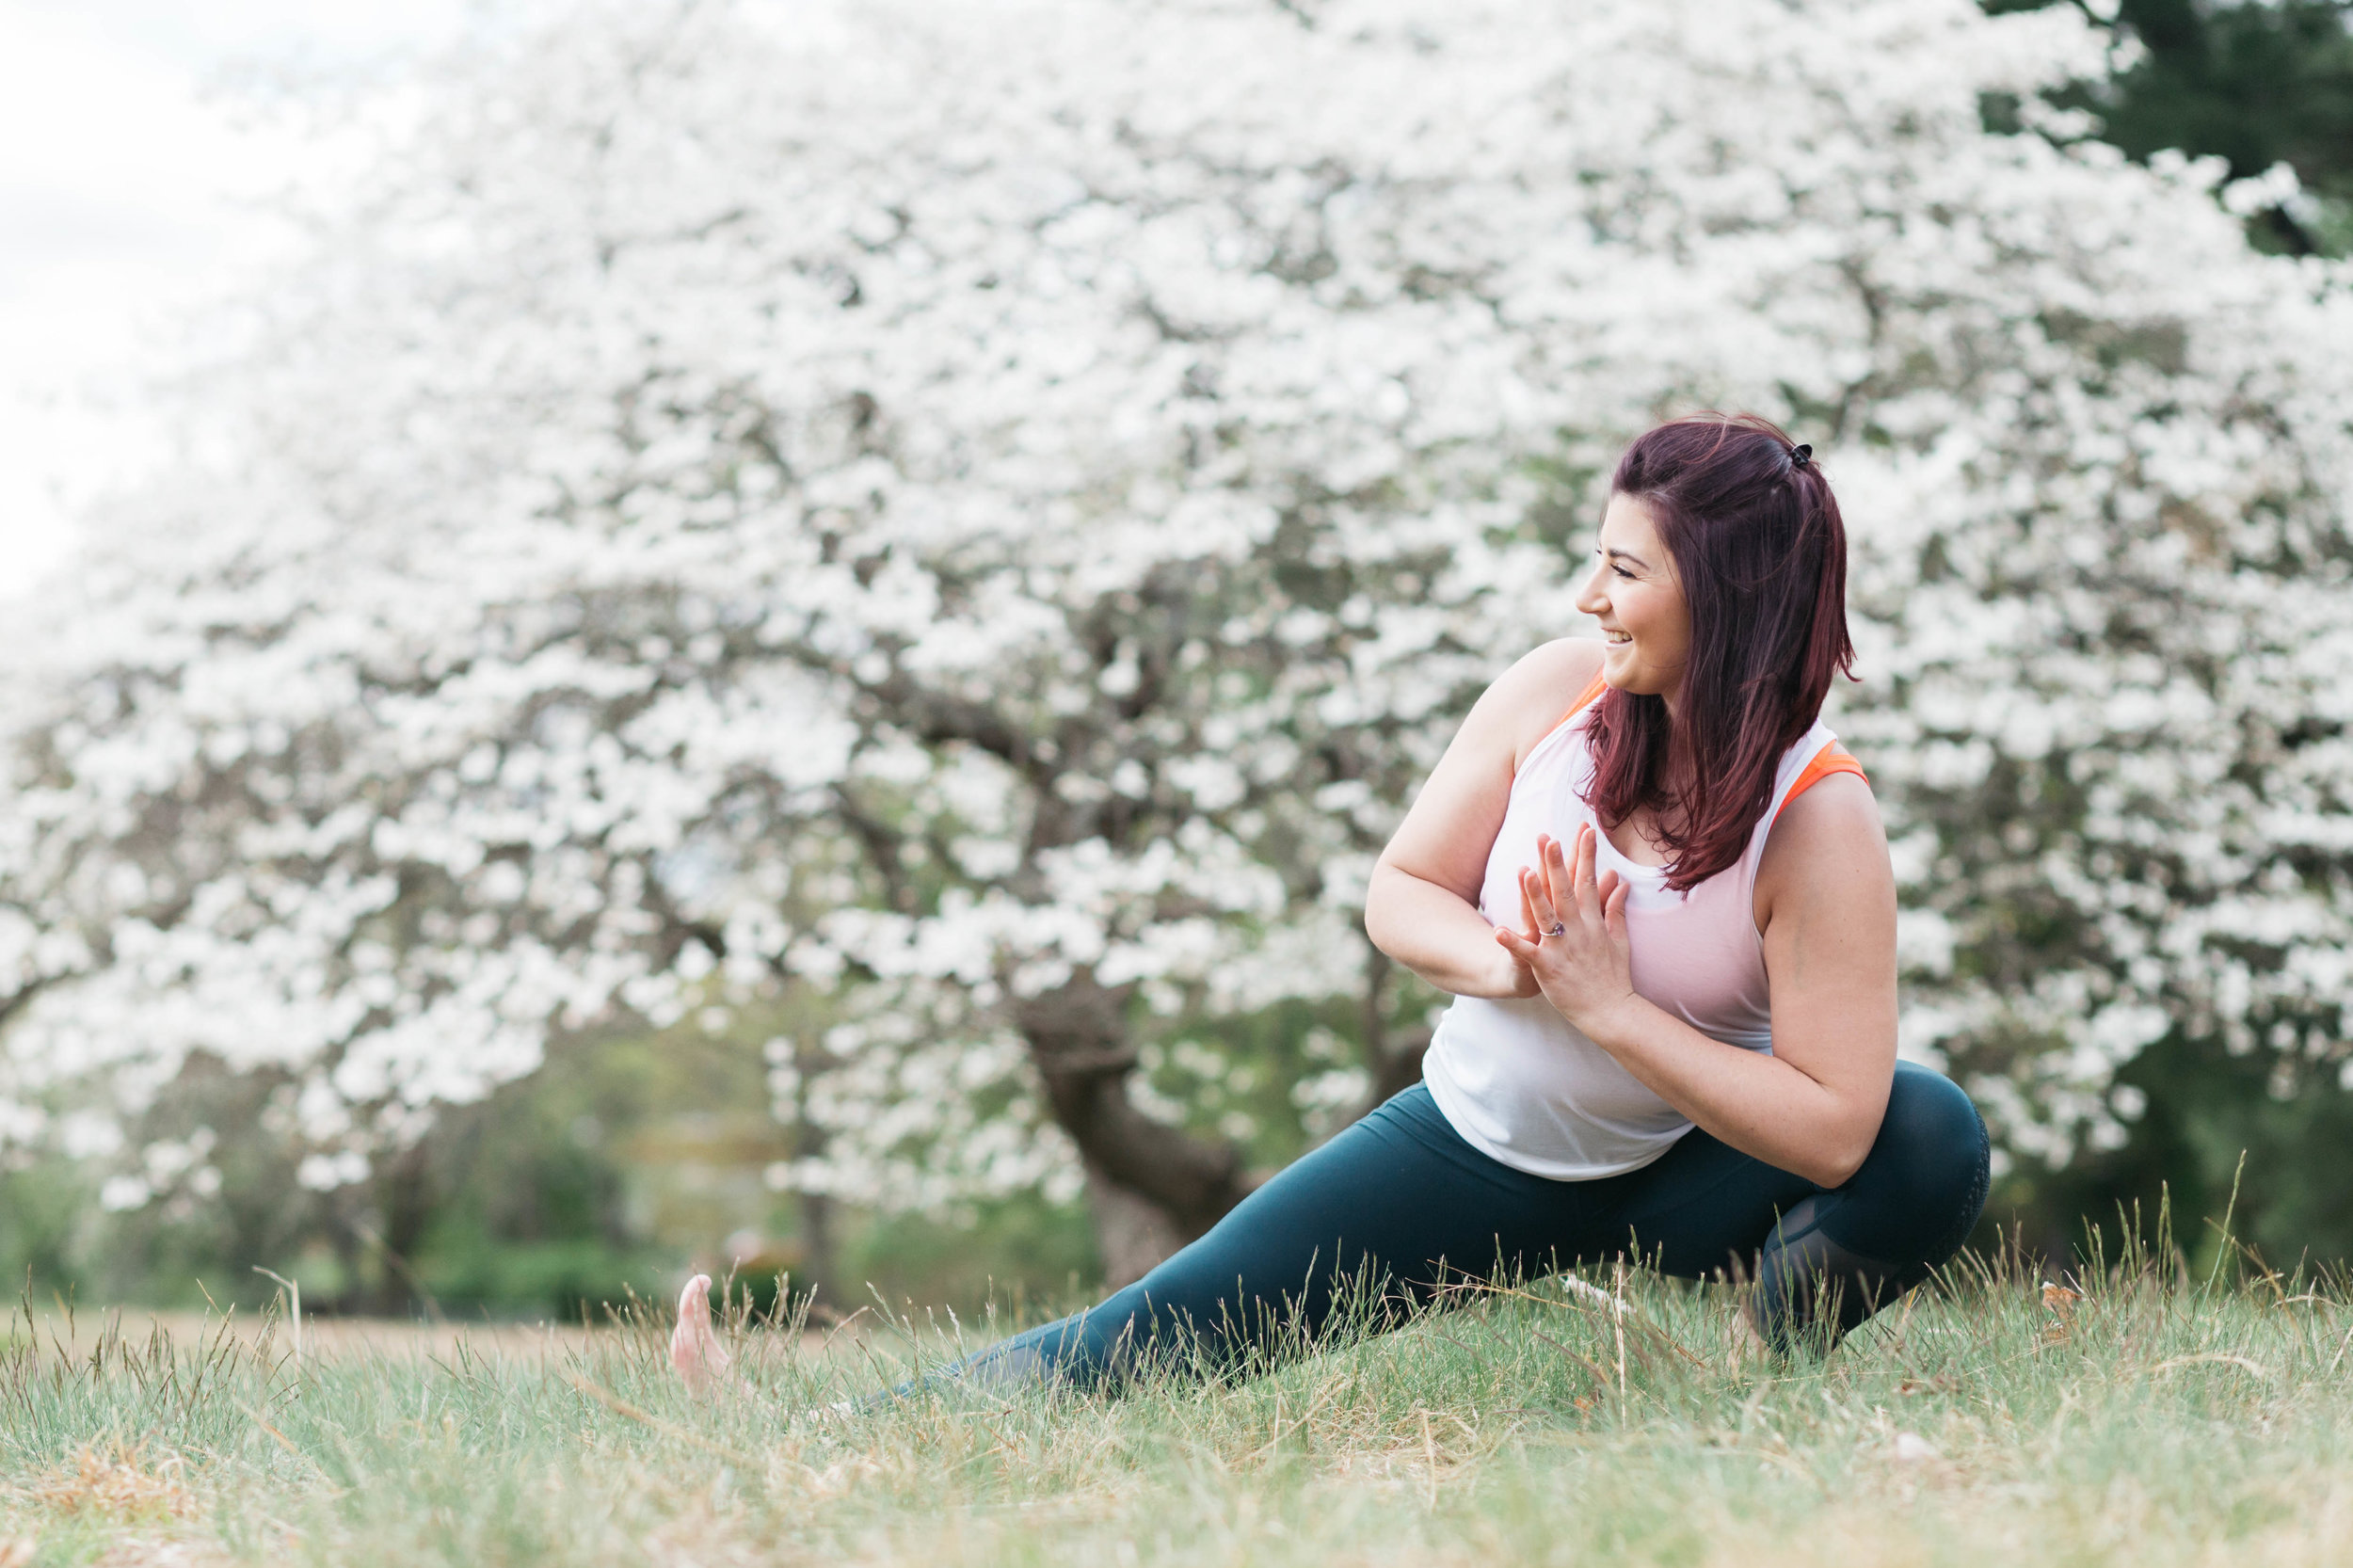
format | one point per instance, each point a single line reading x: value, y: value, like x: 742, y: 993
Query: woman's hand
x: 1575, y: 948
x: 1517, y: 980
x: 1514, y: 979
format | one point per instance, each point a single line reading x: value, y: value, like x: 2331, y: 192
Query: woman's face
x: 1635, y: 595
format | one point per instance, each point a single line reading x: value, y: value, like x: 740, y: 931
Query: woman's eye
x: 1623, y: 572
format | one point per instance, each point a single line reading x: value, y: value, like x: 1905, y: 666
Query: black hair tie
x: 1799, y: 453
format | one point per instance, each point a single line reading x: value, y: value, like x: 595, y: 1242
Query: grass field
x: 2158, y: 1420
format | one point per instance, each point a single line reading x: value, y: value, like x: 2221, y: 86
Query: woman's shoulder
x: 1827, y: 844
x: 1556, y: 673
x: 1822, y: 793
x: 1542, y: 688
x: 1834, y: 805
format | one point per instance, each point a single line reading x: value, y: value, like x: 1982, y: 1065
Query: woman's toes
x: 695, y: 1349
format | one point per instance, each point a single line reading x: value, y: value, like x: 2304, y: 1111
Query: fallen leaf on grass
x: 2061, y: 1302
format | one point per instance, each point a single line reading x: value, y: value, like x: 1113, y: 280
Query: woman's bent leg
x: 1824, y: 1259
x: 1840, y: 1255
x: 1383, y: 1214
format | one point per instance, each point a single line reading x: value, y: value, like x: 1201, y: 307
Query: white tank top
x: 1522, y: 1085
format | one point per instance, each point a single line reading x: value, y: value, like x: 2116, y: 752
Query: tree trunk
x: 1152, y: 1188
x: 405, y: 1202
x: 1133, y: 1233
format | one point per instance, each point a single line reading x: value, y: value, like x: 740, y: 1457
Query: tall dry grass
x: 2136, y: 1411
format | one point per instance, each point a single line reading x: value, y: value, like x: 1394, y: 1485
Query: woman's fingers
x: 1570, y: 875
x: 1559, y: 884
x: 1569, y: 883
x: 1542, y: 914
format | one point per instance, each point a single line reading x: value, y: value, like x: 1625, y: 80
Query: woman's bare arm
x: 1826, y: 903
x: 1422, y: 906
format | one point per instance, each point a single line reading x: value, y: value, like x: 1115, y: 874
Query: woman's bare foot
x: 701, y: 1360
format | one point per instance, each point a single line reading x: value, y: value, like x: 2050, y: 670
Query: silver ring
x: 1559, y: 928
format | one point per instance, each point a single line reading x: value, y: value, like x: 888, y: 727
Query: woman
x: 1659, y: 894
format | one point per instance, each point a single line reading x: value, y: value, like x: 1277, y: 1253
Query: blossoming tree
x: 986, y: 511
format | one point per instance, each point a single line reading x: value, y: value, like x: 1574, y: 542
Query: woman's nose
x: 1589, y: 598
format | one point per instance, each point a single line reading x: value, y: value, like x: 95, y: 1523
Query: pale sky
x: 128, y: 195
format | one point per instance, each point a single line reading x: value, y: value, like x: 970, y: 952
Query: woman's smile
x: 1635, y: 596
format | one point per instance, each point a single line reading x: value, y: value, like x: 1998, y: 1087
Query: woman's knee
x: 1926, y: 1110
x: 1929, y: 1162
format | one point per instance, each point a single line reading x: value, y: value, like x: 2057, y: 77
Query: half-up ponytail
x: 1761, y: 553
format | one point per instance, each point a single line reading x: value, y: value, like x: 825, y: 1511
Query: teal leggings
x: 1399, y: 1204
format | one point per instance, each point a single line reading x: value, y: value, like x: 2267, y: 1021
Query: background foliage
x: 610, y: 611
x: 2258, y: 85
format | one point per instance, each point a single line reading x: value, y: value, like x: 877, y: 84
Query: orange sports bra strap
x: 1585, y: 700
x: 1832, y: 759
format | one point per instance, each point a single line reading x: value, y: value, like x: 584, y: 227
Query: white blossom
x: 951, y: 502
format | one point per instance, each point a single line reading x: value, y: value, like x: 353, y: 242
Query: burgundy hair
x: 1761, y: 553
